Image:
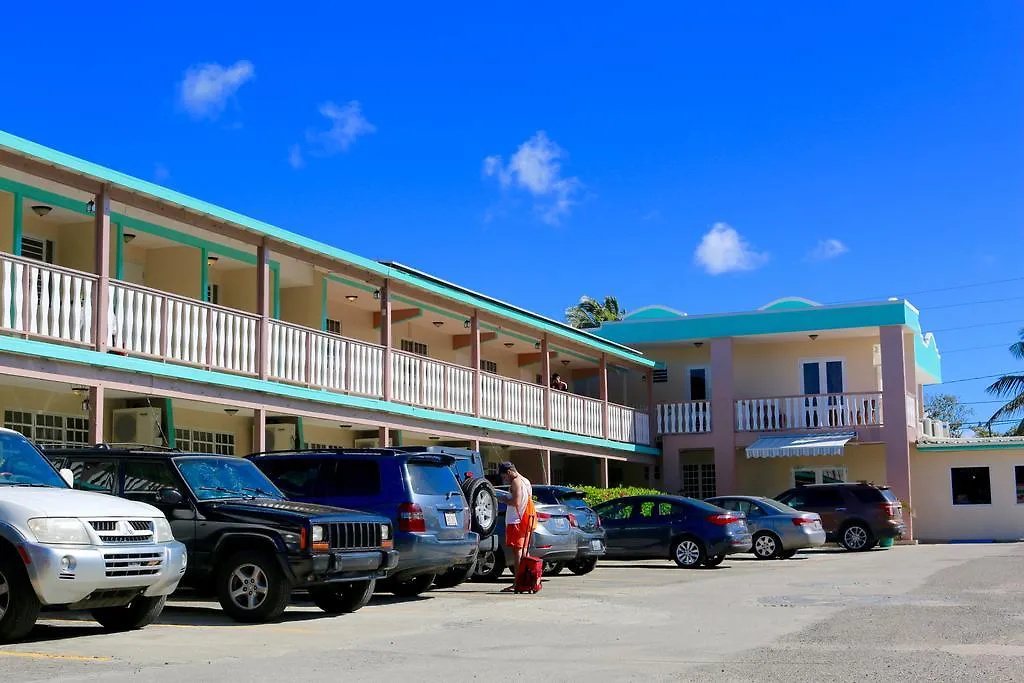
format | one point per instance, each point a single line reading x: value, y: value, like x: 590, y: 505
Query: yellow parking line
x: 44, y: 655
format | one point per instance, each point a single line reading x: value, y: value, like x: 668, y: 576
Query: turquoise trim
x: 927, y: 357
x: 275, y: 268
x: 204, y: 274
x: 119, y: 252
x: 146, y: 367
x: 789, y: 303
x: 44, y: 196
x: 653, y: 313
x: 928, y: 448
x: 18, y: 223
x: 25, y: 147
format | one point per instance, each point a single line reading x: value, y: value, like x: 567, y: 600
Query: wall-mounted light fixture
x: 537, y: 345
x: 468, y: 323
x: 90, y: 206
x: 376, y: 294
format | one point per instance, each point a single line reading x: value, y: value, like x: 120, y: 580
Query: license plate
x: 450, y: 519
x: 595, y: 545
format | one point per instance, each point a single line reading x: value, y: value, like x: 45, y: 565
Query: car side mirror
x: 68, y: 476
x: 170, y: 496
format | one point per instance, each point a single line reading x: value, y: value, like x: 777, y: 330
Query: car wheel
x: 19, y: 605
x: 413, y: 587
x: 553, y: 568
x: 343, y: 598
x: 454, y: 576
x: 483, y: 506
x: 856, y: 537
x: 714, y: 561
x: 766, y: 546
x: 688, y: 552
x: 140, y: 612
x: 583, y: 567
x: 787, y: 554
x: 490, y: 565
x: 252, y: 588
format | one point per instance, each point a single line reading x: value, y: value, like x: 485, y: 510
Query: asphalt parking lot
x: 951, y: 612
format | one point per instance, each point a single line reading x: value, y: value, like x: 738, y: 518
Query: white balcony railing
x: 688, y: 417
x: 43, y: 301
x: 935, y: 429
x: 825, y: 411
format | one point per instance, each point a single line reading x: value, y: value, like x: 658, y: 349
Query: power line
x: 971, y: 379
x: 949, y: 288
x: 1015, y: 321
x: 977, y: 348
x: 974, y: 303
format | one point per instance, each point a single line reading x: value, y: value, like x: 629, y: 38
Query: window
x: 201, y: 441
x: 699, y: 481
x: 332, y: 326
x: 697, y: 382
x: 94, y: 475
x: 431, y: 480
x: 489, y: 366
x: 806, y: 476
x: 323, y: 446
x: 213, y: 294
x: 49, y: 430
x: 296, y: 477
x: 823, y: 374
x: 815, y: 498
x: 648, y: 509
x: 970, y: 485
x: 35, y: 248
x: 1018, y: 472
x: 616, y: 511
x: 416, y: 347
x: 660, y: 375
x: 144, y: 479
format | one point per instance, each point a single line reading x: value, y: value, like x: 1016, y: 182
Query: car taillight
x: 543, y: 516
x: 469, y: 475
x: 572, y: 520
x: 722, y: 520
x: 891, y: 509
x: 410, y: 518
x: 800, y: 521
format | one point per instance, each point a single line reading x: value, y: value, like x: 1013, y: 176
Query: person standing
x: 520, y: 514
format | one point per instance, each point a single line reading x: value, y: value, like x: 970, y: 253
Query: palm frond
x: 1010, y: 409
x: 1007, y: 385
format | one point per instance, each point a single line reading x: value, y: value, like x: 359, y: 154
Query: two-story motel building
x: 132, y: 313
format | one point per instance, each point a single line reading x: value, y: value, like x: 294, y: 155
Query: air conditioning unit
x: 142, y: 426
x: 280, y: 437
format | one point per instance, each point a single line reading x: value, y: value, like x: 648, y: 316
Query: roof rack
x: 105, y: 446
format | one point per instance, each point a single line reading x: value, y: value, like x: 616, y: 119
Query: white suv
x: 63, y: 548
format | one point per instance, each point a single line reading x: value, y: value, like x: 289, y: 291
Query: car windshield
x: 21, y: 464
x: 213, y: 478
x: 776, y: 505
x: 572, y: 500
x: 431, y: 480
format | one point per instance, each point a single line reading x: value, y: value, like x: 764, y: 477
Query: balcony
x: 687, y: 417
x: 150, y: 323
x: 809, y: 412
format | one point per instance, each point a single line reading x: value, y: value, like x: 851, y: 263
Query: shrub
x: 595, y: 495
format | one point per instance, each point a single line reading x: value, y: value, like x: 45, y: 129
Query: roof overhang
x: 799, y: 445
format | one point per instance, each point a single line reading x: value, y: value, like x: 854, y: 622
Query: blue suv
x: 417, y: 491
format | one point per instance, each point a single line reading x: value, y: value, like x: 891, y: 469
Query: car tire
x: 251, y: 587
x: 583, y: 567
x: 714, y: 561
x: 490, y: 565
x: 483, y: 506
x: 766, y: 546
x: 688, y: 552
x: 343, y: 598
x: 454, y: 576
x: 411, y: 588
x: 787, y: 554
x: 856, y: 537
x: 19, y: 605
x: 138, y: 613
x: 553, y: 568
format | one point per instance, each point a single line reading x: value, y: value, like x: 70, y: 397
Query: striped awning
x: 799, y: 444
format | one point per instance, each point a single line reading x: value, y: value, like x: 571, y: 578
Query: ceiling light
x: 80, y: 391
x: 231, y: 411
x: 813, y: 336
x: 345, y: 426
x: 128, y: 237
x: 698, y: 344
x: 376, y: 294
x: 41, y: 209
x: 509, y: 345
x: 438, y: 323
x: 435, y: 438
x: 351, y: 297
x: 210, y: 260
x: 565, y: 362
x: 468, y: 323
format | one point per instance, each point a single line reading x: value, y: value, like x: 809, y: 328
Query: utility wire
x: 1016, y: 321
x: 974, y: 303
x: 976, y: 348
x: 949, y: 288
x: 971, y: 379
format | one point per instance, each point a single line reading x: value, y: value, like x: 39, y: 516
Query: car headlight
x: 59, y: 531
x: 385, y: 532
x: 162, y: 530
x: 318, y: 534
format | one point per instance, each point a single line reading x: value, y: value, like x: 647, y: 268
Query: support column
x: 96, y: 413
x: 671, y: 479
x: 263, y: 308
x: 385, y: 335
x: 652, y: 410
x: 545, y: 374
x: 102, y: 245
x: 259, y: 430
x: 475, y: 445
x: 723, y: 415
x: 602, y: 379
x: 474, y: 340
x: 896, y: 433
x: 119, y: 252
x: 383, y: 437
x: 545, y: 465
x: 602, y: 472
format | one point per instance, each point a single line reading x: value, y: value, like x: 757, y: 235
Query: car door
x: 96, y: 474
x: 825, y: 501
x: 616, y: 518
x: 650, y: 530
x: 142, y: 480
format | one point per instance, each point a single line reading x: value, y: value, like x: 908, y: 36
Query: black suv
x: 246, y: 542
x: 856, y: 515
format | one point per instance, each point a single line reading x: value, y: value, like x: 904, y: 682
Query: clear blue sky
x: 892, y: 129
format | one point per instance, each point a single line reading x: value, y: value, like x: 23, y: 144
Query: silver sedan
x: 778, y: 530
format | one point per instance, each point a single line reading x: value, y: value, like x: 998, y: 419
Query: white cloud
x: 295, y: 159
x: 347, y: 124
x: 723, y: 250
x: 206, y: 88
x: 535, y: 167
x: 828, y: 249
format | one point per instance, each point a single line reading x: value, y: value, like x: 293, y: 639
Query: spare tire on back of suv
x: 483, y: 506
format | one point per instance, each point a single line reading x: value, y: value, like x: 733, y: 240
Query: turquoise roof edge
x: 52, y: 156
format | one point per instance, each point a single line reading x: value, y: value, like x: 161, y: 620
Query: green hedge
x: 595, y: 495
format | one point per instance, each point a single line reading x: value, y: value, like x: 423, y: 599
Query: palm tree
x: 1011, y: 387
x: 589, y: 313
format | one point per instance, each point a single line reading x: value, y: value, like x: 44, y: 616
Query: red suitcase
x: 531, y: 570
